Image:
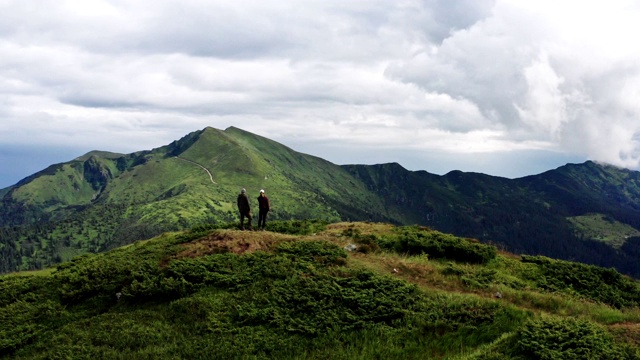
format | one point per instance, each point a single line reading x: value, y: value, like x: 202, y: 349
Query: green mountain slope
x: 102, y: 200
x: 402, y: 293
x: 531, y: 215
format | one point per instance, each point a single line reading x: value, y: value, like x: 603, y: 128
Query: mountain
x: 585, y: 212
x: 296, y: 292
x: 103, y: 200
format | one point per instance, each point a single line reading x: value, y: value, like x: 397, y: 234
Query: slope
x: 532, y: 215
x: 102, y: 200
x: 294, y: 293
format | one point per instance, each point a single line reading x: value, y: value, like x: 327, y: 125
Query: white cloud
x: 473, y: 77
x: 544, y: 108
x: 545, y: 72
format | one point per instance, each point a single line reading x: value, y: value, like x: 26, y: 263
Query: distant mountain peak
x: 608, y: 165
x: 99, y: 153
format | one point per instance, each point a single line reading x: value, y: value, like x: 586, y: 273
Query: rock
x: 351, y: 247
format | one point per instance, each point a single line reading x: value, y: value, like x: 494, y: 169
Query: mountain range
x: 587, y: 212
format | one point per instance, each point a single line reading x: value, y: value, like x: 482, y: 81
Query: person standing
x: 263, y: 208
x: 244, y: 208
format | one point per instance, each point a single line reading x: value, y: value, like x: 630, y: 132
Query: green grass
x: 602, y: 228
x: 219, y: 293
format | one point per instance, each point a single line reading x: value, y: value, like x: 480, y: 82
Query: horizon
x: 4, y: 180
x: 502, y: 87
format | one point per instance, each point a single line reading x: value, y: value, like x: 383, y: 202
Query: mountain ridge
x: 102, y: 200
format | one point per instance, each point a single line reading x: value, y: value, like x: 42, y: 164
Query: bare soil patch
x: 232, y: 241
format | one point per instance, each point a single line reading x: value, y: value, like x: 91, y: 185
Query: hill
x: 585, y: 212
x: 294, y: 292
x: 102, y: 200
x: 542, y: 214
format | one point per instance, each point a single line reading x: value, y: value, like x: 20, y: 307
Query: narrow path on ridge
x: 195, y: 163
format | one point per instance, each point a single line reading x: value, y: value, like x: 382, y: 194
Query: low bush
x: 416, y: 241
x: 556, y: 338
x: 24, y: 288
x: 229, y: 271
x: 592, y: 282
x: 297, y: 227
x: 24, y: 321
x: 321, y: 252
x: 316, y: 304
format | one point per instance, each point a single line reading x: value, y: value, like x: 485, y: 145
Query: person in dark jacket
x: 244, y: 208
x: 263, y: 208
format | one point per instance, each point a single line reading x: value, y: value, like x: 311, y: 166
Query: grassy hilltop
x: 582, y: 212
x: 295, y: 292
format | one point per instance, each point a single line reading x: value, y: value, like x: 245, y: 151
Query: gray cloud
x: 410, y: 78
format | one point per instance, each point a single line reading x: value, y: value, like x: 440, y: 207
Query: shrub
x: 100, y: 276
x: 314, y: 305
x: 230, y: 271
x: 366, y: 243
x: 297, y: 227
x: 554, y: 338
x: 23, y: 321
x: 322, y: 252
x: 24, y: 288
x: 592, y: 282
x: 415, y: 241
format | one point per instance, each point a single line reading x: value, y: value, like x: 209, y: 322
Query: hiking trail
x: 195, y: 163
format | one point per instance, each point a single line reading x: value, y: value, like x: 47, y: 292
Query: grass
x: 296, y: 294
x: 28, y: 273
x: 602, y: 228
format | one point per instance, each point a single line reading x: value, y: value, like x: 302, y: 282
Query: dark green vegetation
x: 534, y: 215
x: 586, y: 212
x: 402, y: 293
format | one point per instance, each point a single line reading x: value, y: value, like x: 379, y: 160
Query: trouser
x: 262, y: 218
x: 248, y: 216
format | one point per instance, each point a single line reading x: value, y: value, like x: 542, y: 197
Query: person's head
x: 243, y: 190
x: 261, y: 192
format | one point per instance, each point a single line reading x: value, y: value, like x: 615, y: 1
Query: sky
x: 504, y: 87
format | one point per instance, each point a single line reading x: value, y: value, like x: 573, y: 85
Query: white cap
x: 261, y: 190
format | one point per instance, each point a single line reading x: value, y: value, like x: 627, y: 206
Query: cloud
x: 558, y: 79
x: 544, y: 105
x: 481, y: 78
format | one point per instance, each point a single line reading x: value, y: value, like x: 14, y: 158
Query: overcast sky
x: 505, y: 87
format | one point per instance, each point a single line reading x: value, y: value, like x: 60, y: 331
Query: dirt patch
x: 214, y: 243
x: 363, y: 228
x: 231, y: 241
x: 630, y: 332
